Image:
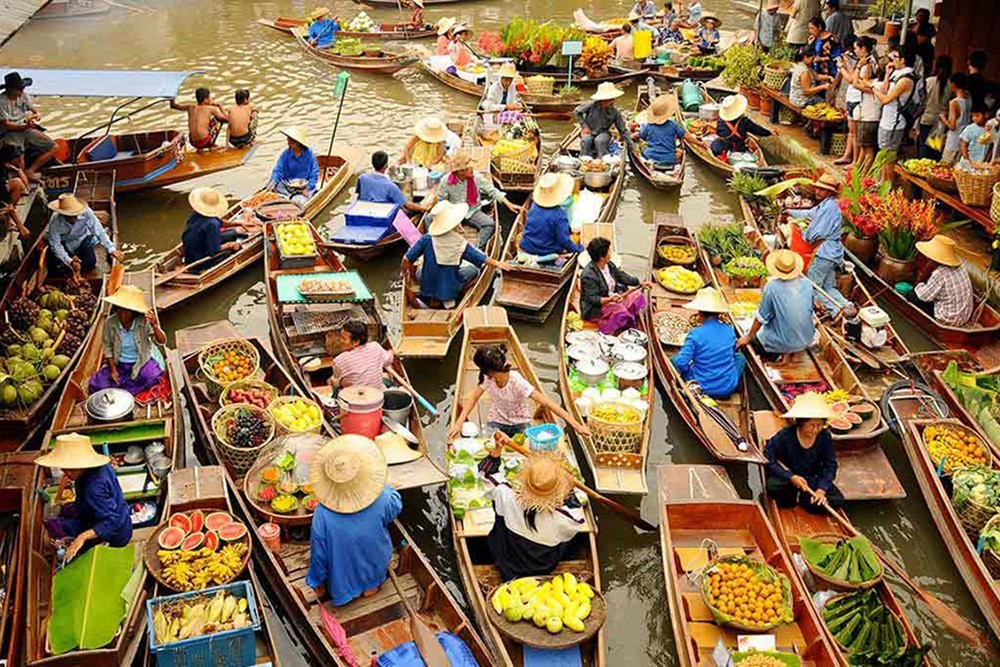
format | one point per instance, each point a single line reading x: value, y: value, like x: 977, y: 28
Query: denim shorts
x: 851, y: 106
x: 890, y: 139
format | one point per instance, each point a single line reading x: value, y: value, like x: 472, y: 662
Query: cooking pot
x: 629, y: 374
x: 134, y: 455
x: 396, y: 405
x: 586, y: 350
x: 634, y: 336
x: 154, y: 449
x: 109, y: 405
x: 597, y: 179
x: 591, y: 371
x: 708, y: 112
x: 629, y: 352
x: 160, y: 467
x: 566, y: 163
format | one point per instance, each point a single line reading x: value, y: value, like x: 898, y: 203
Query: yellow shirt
x: 425, y: 154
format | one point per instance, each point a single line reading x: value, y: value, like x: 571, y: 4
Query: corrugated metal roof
x: 15, y: 13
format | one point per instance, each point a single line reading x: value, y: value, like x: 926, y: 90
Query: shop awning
x: 101, y: 83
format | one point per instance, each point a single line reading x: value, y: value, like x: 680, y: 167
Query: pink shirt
x: 443, y: 43
x: 461, y: 54
x: 362, y: 366
x: 509, y: 404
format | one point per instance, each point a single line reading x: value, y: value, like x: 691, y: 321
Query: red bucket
x: 361, y: 409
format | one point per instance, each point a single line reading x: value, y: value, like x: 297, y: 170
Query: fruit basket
x: 728, y: 576
x: 228, y: 361
x: 294, y: 414
x: 679, y: 280
x: 250, y: 391
x: 282, y: 469
x: 539, y: 85
x: 859, y: 567
x: 296, y: 246
x: 242, y: 431
x: 198, y: 549
x: 676, y: 250
x: 956, y: 443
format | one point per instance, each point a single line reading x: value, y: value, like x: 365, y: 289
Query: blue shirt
x: 290, y: 166
x: 65, y: 238
x: 971, y: 134
x: 350, y: 553
x: 440, y: 282
x: 324, y: 32
x: 826, y: 224
x: 662, y: 141
x: 704, y: 35
x: 130, y: 349
x: 709, y: 357
x: 786, y: 311
x: 100, y: 504
x: 817, y: 464
x: 376, y: 187
x: 201, y: 237
x: 546, y: 232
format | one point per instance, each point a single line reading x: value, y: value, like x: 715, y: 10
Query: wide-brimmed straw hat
x: 395, y: 450
x: 459, y: 28
x: 72, y: 452
x: 209, y: 202
x: 732, y: 107
x: 296, y: 134
x: 459, y: 161
x: 319, y: 12
x: 773, y: 4
x: 660, y: 110
x: 706, y: 17
x: 634, y: 16
x: 445, y: 216
x: 543, y: 482
x: 552, y: 189
x: 607, y: 91
x: 708, y: 300
x: 940, y: 249
x: 348, y: 473
x: 68, y: 204
x: 445, y: 24
x: 826, y: 182
x: 418, y: 3
x: 431, y: 129
x: 809, y: 406
x: 784, y: 264
x: 507, y: 71
x: 131, y: 298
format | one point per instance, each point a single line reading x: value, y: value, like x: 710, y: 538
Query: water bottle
x: 60, y: 556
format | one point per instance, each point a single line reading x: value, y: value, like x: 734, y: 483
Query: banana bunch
x: 560, y: 602
x: 194, y: 570
x: 194, y: 617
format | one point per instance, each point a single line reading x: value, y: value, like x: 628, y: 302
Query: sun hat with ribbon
x: 660, y: 110
x: 445, y: 216
x: 809, y: 406
x: 708, y: 300
x: 348, y: 473
x: 459, y: 161
x: 296, y: 134
x: 784, y: 264
x: 445, y: 24
x: 706, y: 17
x: 543, y: 482
x: 431, y: 129
x: 732, y: 107
x: 940, y: 249
x: 68, y: 204
x: 826, y: 182
x: 209, y: 202
x: 507, y: 71
x: 395, y: 450
x: 72, y: 451
x: 319, y: 12
x: 607, y: 91
x: 553, y: 189
x: 129, y: 297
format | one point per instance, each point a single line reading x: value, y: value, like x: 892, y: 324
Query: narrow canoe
x: 671, y: 305
x: 932, y: 366
x: 286, y: 24
x: 658, y: 178
x: 173, y: 288
x: 394, y: 3
x: 516, y: 182
x: 703, y: 153
x: 489, y: 326
x: 699, y: 506
x: 17, y: 487
x: 383, y: 63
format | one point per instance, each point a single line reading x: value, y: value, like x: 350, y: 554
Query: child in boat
x: 242, y: 120
x: 205, y: 118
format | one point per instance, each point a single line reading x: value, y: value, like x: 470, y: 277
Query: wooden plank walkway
x: 15, y: 13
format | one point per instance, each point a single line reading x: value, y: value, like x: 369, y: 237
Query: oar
x: 626, y: 513
x: 167, y: 277
x: 408, y: 387
x: 116, y: 278
x: 425, y: 639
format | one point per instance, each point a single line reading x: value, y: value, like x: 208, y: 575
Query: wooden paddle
x: 115, y: 278
x: 426, y: 640
x: 624, y: 512
x: 408, y: 387
x: 166, y: 277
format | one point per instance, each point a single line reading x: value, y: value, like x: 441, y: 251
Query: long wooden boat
x: 19, y: 426
x: 393, y: 3
x: 384, y: 63
x: 658, y: 178
x: 664, y: 304
x: 699, y: 507
x: 18, y: 479
x: 407, y: 31
x: 489, y: 326
x: 428, y: 332
x: 702, y: 152
x: 368, y: 251
x: 174, y: 287
x: 72, y: 9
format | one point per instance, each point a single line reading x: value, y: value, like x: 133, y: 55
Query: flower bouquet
x: 859, y: 197
x: 902, y: 223
x: 595, y: 56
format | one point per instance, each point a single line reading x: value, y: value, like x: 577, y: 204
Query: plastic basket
x: 284, y: 400
x: 248, y: 384
x: 616, y: 437
x: 230, y: 648
x: 786, y: 116
x: 215, y: 351
x: 995, y: 206
x: 539, y: 85
x: 240, y: 459
x: 990, y: 558
x: 774, y: 79
x: 976, y: 189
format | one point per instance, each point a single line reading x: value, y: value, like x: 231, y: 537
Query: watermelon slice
x: 863, y: 409
x: 232, y: 531
x: 840, y: 407
x: 193, y: 542
x: 181, y: 521
x: 211, y: 540
x: 217, y: 520
x: 853, y: 417
x: 197, y: 521
x: 171, y: 538
x: 839, y: 424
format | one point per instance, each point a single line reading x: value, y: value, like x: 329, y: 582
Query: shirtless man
x: 242, y: 120
x: 204, y: 119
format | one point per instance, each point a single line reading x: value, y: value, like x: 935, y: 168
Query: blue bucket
x: 543, y: 437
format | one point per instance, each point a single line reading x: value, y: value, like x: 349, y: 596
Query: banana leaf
x: 87, y: 601
x: 815, y: 551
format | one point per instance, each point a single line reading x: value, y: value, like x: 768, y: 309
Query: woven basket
x: 284, y: 400
x: 524, y: 155
x: 976, y: 189
x: 511, y: 166
x: 155, y: 567
x: 832, y: 582
x: 990, y: 558
x: 995, y: 206
x: 774, y: 78
x: 248, y: 384
x: 240, y: 459
x: 615, y: 438
x: 769, y: 573
x: 539, y: 85
x: 838, y: 143
x: 974, y: 518
x: 210, y: 352
x: 786, y: 116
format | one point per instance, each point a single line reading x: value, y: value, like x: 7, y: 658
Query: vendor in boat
x: 784, y: 322
x: 323, y: 29
x: 733, y: 127
x: 375, y: 186
x: 129, y: 338
x: 661, y: 132
x: 203, y: 236
x: 671, y: 33
x: 428, y: 147
x: 597, y: 117
x: 362, y: 362
x: 801, y: 458
x: 462, y: 185
x: 502, y: 94
x: 510, y: 410
x: 943, y: 288
x: 461, y: 54
x: 13, y: 185
x: 416, y: 12
x: 19, y: 123
x: 450, y: 262
x: 546, y: 231
x: 99, y: 514
x: 350, y: 546
x: 708, y: 34
x: 645, y: 9
x: 72, y: 235
x: 624, y: 44
x: 296, y: 163
x: 444, y: 27
x: 609, y: 297
x: 709, y: 355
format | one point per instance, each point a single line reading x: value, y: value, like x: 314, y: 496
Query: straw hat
x: 940, y: 249
x: 706, y: 17
x: 543, y: 482
x: 67, y: 204
x: 418, y: 3
x: 72, y: 452
x: 552, y: 189
x: 607, y: 91
x: 708, y: 300
x: 431, y: 129
x: 634, y: 16
x: 732, y: 107
x: 459, y: 161
x: 809, y: 406
x: 507, y: 70
x: 826, y: 182
x: 445, y: 216
x: 296, y: 134
x: 319, y: 12
x: 445, y: 24
x: 660, y: 110
x: 348, y: 473
x: 129, y: 297
x: 459, y: 28
x: 784, y: 264
x: 773, y: 4
x: 395, y: 450
x: 209, y: 202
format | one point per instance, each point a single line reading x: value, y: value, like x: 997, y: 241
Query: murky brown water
x: 221, y: 39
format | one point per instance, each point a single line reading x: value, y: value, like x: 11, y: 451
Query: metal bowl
x: 597, y: 179
x: 566, y: 163
x: 592, y: 371
x: 296, y: 184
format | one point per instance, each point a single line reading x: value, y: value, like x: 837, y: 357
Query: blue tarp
x: 101, y: 83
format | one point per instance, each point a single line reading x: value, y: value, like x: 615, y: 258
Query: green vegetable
x: 726, y: 241
x: 743, y: 67
x: 747, y: 268
x: 850, y: 560
x: 871, y: 633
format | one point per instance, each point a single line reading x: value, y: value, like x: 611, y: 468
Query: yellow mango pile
x: 562, y: 602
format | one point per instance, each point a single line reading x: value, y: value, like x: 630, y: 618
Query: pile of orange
x: 233, y: 366
x: 738, y: 590
x: 957, y: 447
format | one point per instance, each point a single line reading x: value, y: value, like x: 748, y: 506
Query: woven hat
x: 784, y: 264
x: 634, y: 16
x: 708, y: 300
x: 809, y: 406
x: 296, y: 134
x: 72, y: 452
x: 418, y: 3
x: 319, y: 12
x: 68, y: 204
x: 460, y: 160
x: 732, y: 107
x: 445, y: 216
x: 940, y: 249
x: 431, y: 129
x: 131, y: 298
x: 826, y: 182
x: 507, y: 71
x: 395, y: 450
x: 348, y: 473
x: 660, y: 110
x: 552, y: 189
x: 459, y: 28
x: 445, y: 24
x: 607, y: 91
x: 209, y: 202
x: 706, y: 17
x: 773, y: 4
x: 543, y: 482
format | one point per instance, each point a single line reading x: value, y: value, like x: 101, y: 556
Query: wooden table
x: 980, y: 215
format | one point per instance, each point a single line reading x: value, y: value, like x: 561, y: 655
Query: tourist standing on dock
x: 798, y: 22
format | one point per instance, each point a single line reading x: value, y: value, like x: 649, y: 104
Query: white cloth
x: 448, y: 248
x: 551, y: 528
x: 494, y: 96
x: 953, y: 141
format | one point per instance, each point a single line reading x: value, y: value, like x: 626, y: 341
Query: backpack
x: 914, y: 106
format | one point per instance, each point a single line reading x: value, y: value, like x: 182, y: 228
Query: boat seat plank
x: 725, y: 537
x: 695, y: 558
x: 797, y: 368
x: 698, y: 482
x: 385, y: 597
x: 479, y: 523
x: 381, y: 639
x: 420, y: 472
x: 706, y: 635
x: 621, y: 480
x: 696, y: 608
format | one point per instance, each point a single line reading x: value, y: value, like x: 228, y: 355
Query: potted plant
x: 901, y: 224
x: 595, y: 57
x: 862, y: 193
x: 888, y: 15
x: 742, y: 70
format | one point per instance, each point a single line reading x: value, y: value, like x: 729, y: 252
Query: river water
x: 221, y: 40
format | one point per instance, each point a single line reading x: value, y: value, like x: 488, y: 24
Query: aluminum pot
x: 634, y: 336
x: 597, y: 179
x: 566, y: 163
x: 591, y: 371
x: 397, y: 405
x: 109, y: 405
x: 708, y: 111
x: 629, y: 352
x: 629, y: 374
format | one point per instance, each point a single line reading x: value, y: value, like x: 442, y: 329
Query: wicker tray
x: 840, y: 584
x: 786, y: 588
x: 241, y: 458
x: 152, y: 560
x: 301, y: 516
x: 868, y: 424
x: 677, y: 241
x: 990, y: 558
x: 531, y: 635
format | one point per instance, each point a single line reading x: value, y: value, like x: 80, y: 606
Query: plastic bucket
x: 270, y: 535
x: 397, y: 405
x: 690, y: 96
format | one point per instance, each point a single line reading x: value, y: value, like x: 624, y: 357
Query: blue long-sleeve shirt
x: 817, y: 464
x: 201, y: 237
x: 441, y: 282
x: 709, y: 357
x: 64, y: 238
x: 826, y: 224
x: 546, y: 232
x: 101, y: 505
x: 290, y: 166
x: 786, y: 311
x: 324, y: 32
x: 662, y: 141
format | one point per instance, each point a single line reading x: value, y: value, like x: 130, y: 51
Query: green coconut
x: 8, y: 394
x: 60, y: 361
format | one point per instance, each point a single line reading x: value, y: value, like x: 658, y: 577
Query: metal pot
x: 591, y: 371
x: 566, y: 163
x: 108, y: 405
x: 634, y: 336
x: 134, y: 455
x: 629, y: 352
x: 397, y: 405
x: 160, y: 467
x: 596, y: 180
x: 155, y: 449
x: 629, y: 374
x: 708, y: 111
x: 580, y: 351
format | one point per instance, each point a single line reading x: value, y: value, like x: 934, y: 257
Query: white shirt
x: 890, y: 119
x: 552, y: 528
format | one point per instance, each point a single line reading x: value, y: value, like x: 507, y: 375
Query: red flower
x: 867, y: 182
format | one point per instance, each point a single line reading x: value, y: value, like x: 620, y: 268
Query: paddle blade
x: 427, y: 643
x: 116, y: 278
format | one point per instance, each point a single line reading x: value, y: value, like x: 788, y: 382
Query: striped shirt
x: 950, y: 289
x: 362, y: 366
x: 509, y: 404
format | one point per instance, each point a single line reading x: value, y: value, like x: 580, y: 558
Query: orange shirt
x: 443, y: 44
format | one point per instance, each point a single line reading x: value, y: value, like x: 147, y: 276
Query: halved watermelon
x: 839, y: 424
x: 863, y: 409
x: 217, y: 520
x: 211, y: 540
x: 197, y: 521
x: 171, y: 538
x: 181, y: 521
x: 840, y: 407
x: 853, y: 417
x: 232, y: 531
x: 193, y: 542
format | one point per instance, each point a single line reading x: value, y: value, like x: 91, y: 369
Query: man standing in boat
x: 205, y: 118
x: 73, y: 234
x: 19, y: 121
x: 596, y: 118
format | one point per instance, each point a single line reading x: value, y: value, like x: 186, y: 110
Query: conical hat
x: 296, y: 134
x: 708, y: 300
x: 129, y: 297
x: 809, y: 406
x: 72, y: 452
x: 607, y: 91
x: 445, y: 216
x: 431, y: 129
x: 395, y: 449
x: 733, y: 107
x: 348, y: 473
x: 553, y: 189
x: 660, y: 110
x: 940, y: 249
x: 209, y: 202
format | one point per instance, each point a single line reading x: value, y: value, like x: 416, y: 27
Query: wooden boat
x: 428, y: 332
x: 393, y: 3
x: 532, y: 293
x: 365, y: 252
x: 174, y: 287
x: 699, y: 507
x: 666, y: 304
x: 489, y: 326
x: 19, y: 426
x: 517, y: 182
x: 287, y: 24
x: 658, y: 178
x: 71, y: 9
x: 384, y: 62
x: 17, y: 488
x: 693, y: 141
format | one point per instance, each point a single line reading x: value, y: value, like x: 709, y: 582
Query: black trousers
x: 786, y: 495
x: 926, y: 306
